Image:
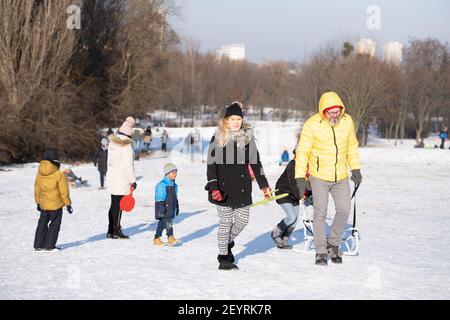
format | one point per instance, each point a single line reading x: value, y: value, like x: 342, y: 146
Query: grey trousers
x: 340, y: 191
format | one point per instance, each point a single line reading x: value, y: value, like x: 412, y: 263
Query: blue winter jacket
x: 285, y: 156
x: 166, y: 201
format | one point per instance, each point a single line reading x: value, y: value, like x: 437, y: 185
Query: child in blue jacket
x: 166, y: 205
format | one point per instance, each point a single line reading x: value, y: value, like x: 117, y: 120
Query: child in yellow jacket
x: 51, y: 193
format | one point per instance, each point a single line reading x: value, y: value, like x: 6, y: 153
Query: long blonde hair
x: 222, y: 130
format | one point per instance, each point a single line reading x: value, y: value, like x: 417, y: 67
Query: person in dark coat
x: 231, y: 150
x: 290, y: 205
x: 166, y: 205
x: 443, y: 135
x: 101, y: 161
x: 148, y: 137
x: 164, y: 140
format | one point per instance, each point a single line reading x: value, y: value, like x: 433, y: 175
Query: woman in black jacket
x: 231, y: 150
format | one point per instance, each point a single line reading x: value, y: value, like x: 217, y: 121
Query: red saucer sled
x: 127, y: 202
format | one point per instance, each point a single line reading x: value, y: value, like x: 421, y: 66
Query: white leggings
x: 231, y: 223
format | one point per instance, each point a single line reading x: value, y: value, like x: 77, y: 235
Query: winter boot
x: 172, y: 240
x: 118, y: 234
x: 109, y: 234
x: 285, y: 237
x: 230, y: 254
x: 158, y: 242
x: 286, y: 245
x: 225, y: 264
x: 321, y: 259
x: 335, y: 255
x: 276, y: 236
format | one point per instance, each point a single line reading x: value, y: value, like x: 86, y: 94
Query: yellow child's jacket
x: 51, y: 190
x: 328, y: 149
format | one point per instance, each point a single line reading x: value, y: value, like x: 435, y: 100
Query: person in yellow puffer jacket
x: 328, y: 143
x: 51, y: 192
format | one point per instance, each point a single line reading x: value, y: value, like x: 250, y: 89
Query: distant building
x: 232, y: 52
x: 366, y: 46
x: 393, y: 52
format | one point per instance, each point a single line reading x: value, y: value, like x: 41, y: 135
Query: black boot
x: 335, y: 255
x: 230, y: 254
x: 321, y: 259
x: 109, y: 235
x: 118, y: 234
x: 285, y: 238
x: 277, y: 234
x: 225, y: 264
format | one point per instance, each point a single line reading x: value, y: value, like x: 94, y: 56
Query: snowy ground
x: 403, y: 219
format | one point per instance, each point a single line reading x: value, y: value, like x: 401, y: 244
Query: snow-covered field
x: 403, y: 207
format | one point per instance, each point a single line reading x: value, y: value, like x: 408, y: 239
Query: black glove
x: 39, y: 208
x: 356, y: 176
x: 301, y: 185
x: 134, y: 185
x: 69, y: 209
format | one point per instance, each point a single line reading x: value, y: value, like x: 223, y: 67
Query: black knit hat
x: 52, y: 155
x: 234, y: 109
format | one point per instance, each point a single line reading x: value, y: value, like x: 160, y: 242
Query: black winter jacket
x: 287, y: 184
x: 101, y: 160
x: 231, y: 176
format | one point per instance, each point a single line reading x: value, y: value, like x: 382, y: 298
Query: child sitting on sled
x: 73, y: 180
x: 290, y: 205
x: 166, y: 205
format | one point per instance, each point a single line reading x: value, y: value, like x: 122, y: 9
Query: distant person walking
x: 443, y: 135
x: 101, y: 160
x: 148, y: 137
x: 164, y: 140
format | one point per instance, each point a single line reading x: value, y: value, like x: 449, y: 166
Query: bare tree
x: 425, y: 61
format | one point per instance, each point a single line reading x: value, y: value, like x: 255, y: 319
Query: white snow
x: 403, y: 207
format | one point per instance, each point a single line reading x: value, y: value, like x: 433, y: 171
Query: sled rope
x: 354, y: 207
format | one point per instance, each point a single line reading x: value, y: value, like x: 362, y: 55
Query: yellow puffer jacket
x: 51, y: 190
x: 328, y: 149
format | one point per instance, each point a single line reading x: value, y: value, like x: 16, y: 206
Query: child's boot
x: 277, y: 234
x: 158, y: 242
x: 172, y: 240
x: 286, y: 236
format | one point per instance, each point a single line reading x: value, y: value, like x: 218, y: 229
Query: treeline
x: 59, y: 86
x: 406, y: 100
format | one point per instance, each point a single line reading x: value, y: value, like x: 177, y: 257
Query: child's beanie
x: 169, y: 167
x: 52, y: 155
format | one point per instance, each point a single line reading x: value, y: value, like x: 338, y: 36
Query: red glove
x: 216, y: 195
x: 267, y: 192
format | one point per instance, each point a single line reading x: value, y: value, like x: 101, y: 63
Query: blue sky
x: 293, y: 29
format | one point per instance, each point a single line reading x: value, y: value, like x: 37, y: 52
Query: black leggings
x: 114, y: 214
